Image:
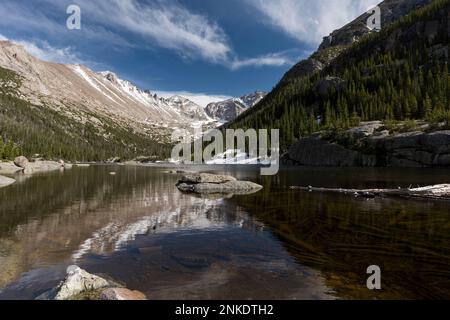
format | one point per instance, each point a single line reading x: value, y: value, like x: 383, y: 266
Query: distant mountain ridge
x: 59, y: 85
x: 43, y: 105
x: 230, y: 109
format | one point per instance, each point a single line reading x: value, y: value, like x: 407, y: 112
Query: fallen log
x: 441, y: 191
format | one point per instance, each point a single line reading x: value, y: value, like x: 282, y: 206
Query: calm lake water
x: 138, y: 229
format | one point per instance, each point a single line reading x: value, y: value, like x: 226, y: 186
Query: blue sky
x: 215, y: 47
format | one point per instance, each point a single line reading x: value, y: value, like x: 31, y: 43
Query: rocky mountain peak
x: 230, y: 109
x: 334, y: 44
x: 110, y: 76
x: 391, y: 10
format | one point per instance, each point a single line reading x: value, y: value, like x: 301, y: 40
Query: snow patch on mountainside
x: 78, y: 70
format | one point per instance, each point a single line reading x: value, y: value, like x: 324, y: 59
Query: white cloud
x: 201, y: 99
x: 273, y: 59
x: 166, y: 23
x: 163, y: 23
x: 45, y: 51
x: 309, y: 21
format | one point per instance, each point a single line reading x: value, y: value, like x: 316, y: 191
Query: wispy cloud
x: 44, y: 51
x: 273, y: 59
x: 309, y: 21
x: 165, y: 23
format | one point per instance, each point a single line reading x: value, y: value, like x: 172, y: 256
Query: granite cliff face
x: 373, y: 146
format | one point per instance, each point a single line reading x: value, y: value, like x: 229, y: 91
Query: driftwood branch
x: 441, y: 191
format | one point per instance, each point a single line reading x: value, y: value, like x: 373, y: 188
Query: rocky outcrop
x: 42, y: 166
x: 38, y: 165
x: 114, y: 160
x: 9, y: 168
x: 334, y: 44
x: 413, y: 149
x: 78, y: 281
x: 81, y: 285
x: 5, y: 181
x: 325, y: 86
x: 315, y: 151
x: 204, y: 183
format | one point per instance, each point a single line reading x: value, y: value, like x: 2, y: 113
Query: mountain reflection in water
x: 138, y: 229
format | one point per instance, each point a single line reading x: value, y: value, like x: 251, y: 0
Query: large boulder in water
x: 205, y: 183
x: 194, y: 178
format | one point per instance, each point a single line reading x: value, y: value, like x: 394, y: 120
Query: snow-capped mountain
x: 81, y: 94
x: 230, y: 109
x: 187, y: 108
x: 180, y: 106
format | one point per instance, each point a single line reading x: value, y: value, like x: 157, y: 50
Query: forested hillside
x: 398, y: 74
x: 29, y: 129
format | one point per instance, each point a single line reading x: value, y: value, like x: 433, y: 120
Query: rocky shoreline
x: 371, y: 146
x: 24, y: 166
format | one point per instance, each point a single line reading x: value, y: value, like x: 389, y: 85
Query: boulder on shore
x: 5, y: 181
x: 114, y: 160
x: 42, y: 166
x: 36, y: 165
x: 21, y: 162
x: 9, y: 168
x: 205, y: 183
x: 81, y: 285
